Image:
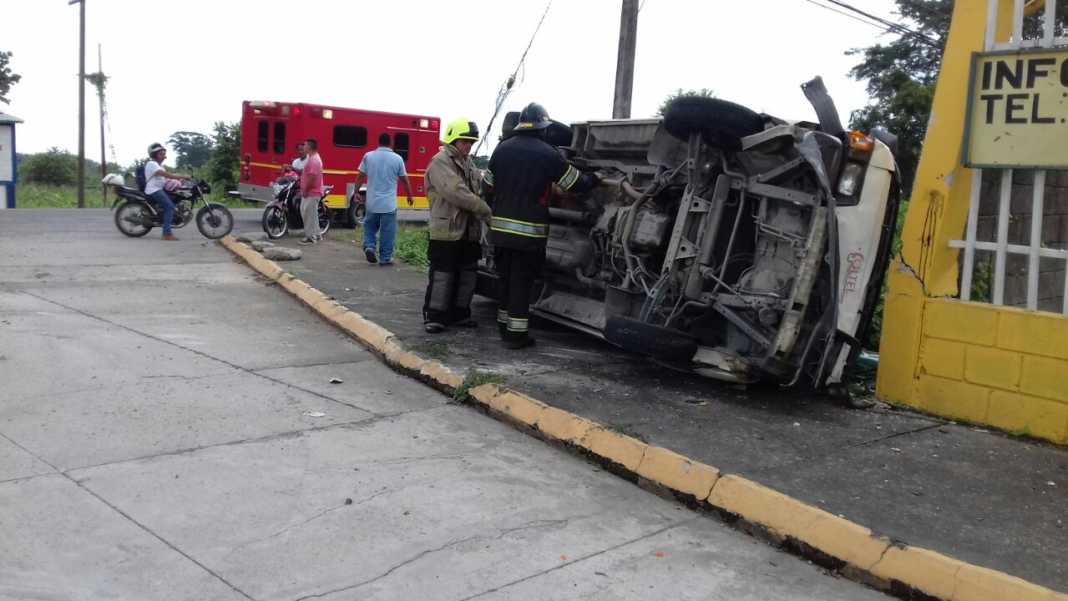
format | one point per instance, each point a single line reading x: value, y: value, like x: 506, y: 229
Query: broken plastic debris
x: 336, y: 380
x: 314, y: 414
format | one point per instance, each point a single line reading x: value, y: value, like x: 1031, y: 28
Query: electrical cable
x: 874, y: 21
x: 506, y: 88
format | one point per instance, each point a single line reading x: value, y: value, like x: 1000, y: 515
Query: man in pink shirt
x: 311, y: 190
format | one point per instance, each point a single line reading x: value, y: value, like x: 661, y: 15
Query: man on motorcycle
x: 155, y: 179
x: 298, y: 163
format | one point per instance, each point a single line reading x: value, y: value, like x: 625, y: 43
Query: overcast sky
x: 182, y: 65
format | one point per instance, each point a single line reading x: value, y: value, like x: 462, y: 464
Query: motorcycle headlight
x: 849, y: 183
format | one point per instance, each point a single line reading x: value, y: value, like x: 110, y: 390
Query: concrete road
x: 168, y: 431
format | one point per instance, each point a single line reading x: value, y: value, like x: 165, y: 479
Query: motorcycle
x: 284, y: 211
x: 136, y: 214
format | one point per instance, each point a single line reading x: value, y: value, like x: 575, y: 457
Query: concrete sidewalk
x: 978, y: 496
x: 169, y: 431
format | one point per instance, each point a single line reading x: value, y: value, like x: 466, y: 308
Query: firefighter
x: 522, y: 172
x: 456, y: 215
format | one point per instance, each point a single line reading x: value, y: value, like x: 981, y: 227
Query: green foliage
x: 680, y: 93
x: 474, y: 379
x: 901, y: 78
x: 55, y: 167
x: 7, y: 77
x: 221, y: 170
x: 48, y: 196
x: 194, y: 149
x: 412, y: 245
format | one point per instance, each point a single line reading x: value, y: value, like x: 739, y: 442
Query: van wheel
x: 723, y: 124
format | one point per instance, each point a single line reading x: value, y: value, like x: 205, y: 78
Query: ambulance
x: 270, y: 132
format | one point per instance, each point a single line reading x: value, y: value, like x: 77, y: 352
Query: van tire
x: 723, y: 124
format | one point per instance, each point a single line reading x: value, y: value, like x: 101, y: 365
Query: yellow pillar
x: 938, y: 208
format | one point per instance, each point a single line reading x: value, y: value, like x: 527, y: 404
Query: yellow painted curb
x: 782, y: 516
x: 674, y: 471
x: 519, y: 407
x: 930, y: 572
x: 562, y: 425
x: 787, y: 517
x: 444, y: 376
x: 619, y: 448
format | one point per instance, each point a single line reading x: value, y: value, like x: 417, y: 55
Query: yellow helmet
x: 460, y: 129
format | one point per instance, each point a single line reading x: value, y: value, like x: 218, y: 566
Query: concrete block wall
x: 997, y: 366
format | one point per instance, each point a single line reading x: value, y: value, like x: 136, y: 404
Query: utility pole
x: 628, y: 40
x: 100, y: 80
x: 81, y: 101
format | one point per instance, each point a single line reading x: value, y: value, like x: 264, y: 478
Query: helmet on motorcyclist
x: 533, y: 118
x: 460, y: 129
x: 154, y: 148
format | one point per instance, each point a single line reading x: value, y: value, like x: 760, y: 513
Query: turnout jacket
x: 455, y: 208
x: 521, y: 175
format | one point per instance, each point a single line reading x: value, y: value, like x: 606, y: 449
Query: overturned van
x: 724, y: 242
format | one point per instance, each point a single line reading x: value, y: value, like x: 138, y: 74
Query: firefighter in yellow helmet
x: 456, y: 213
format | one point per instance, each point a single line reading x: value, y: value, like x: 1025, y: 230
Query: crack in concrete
x: 501, y: 533
x: 580, y: 559
x: 866, y: 443
x: 367, y: 421
x: 143, y: 527
x: 200, y: 353
x: 309, y: 520
x: 166, y: 542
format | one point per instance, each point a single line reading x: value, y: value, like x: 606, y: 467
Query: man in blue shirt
x: 382, y: 168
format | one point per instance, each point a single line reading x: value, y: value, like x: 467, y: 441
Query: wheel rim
x: 132, y: 218
x: 214, y: 222
x: 324, y: 219
x: 275, y: 222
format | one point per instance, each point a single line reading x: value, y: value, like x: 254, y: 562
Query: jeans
x: 309, y: 214
x: 167, y: 206
x: 384, y: 224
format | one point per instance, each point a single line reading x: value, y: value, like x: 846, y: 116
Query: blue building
x: 8, y: 174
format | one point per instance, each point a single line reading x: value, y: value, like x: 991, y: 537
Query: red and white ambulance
x: 270, y: 132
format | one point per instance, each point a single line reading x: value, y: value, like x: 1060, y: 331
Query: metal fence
x: 1042, y: 262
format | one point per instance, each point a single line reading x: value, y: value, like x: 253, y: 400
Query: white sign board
x: 7, y: 157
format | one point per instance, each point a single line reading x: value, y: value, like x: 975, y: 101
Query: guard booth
x: 976, y: 317
x: 8, y: 172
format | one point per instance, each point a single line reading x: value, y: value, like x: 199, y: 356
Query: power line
x: 506, y: 88
x: 848, y: 15
x: 890, y: 25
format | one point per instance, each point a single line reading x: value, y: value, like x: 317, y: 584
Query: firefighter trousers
x: 453, y: 276
x: 517, y: 271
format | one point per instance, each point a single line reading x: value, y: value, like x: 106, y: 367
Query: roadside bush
x: 55, y: 167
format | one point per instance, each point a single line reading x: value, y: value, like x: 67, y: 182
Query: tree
x: 680, y: 93
x: 55, y: 167
x: 902, y: 74
x: 7, y: 78
x: 226, y: 156
x: 901, y: 79
x: 194, y: 149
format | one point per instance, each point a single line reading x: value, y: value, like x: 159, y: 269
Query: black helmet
x: 154, y: 148
x: 533, y: 118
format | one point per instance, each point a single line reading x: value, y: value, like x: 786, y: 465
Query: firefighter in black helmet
x: 522, y: 172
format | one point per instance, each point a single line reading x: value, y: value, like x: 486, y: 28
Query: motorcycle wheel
x: 324, y: 218
x: 131, y: 217
x: 275, y: 223
x: 214, y: 221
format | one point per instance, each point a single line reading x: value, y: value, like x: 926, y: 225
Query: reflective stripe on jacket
x: 522, y: 172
